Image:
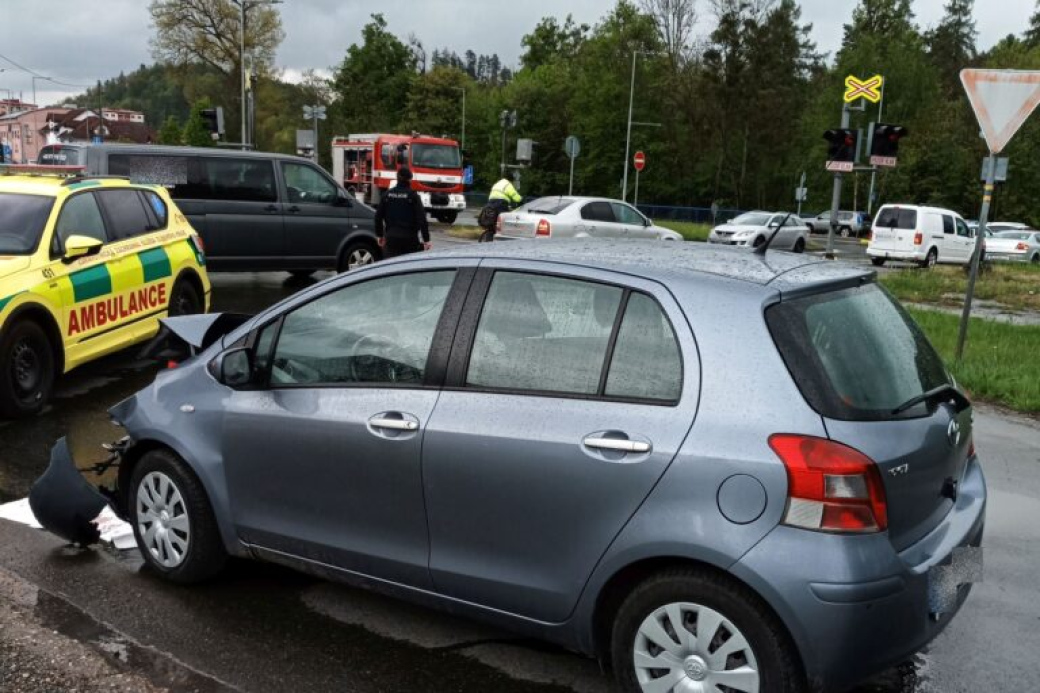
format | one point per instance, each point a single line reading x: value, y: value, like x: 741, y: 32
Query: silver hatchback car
x: 712, y: 469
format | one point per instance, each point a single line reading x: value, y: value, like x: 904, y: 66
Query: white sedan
x: 754, y: 228
x: 579, y: 217
x: 1014, y: 246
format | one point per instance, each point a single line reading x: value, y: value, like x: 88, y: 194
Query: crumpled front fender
x: 64, y: 502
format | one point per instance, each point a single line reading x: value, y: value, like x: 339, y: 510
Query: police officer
x: 401, y: 218
x: 504, y: 194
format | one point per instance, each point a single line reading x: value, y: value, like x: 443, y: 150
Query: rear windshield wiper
x: 934, y: 393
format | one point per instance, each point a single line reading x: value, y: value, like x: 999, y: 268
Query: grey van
x: 254, y: 210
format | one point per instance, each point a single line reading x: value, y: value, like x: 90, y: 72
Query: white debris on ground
x: 113, y: 530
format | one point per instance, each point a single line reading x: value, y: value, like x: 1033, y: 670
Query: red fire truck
x: 366, y: 165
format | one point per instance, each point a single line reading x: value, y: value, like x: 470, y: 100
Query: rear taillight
x: 831, y: 487
x: 918, y: 238
x: 1021, y: 246
x: 971, y: 447
x: 544, y: 229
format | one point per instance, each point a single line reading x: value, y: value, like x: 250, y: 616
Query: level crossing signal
x: 841, y: 152
x: 884, y: 145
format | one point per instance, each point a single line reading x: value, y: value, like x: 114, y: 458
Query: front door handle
x: 271, y: 208
x: 393, y: 424
x: 294, y: 209
x: 616, y: 444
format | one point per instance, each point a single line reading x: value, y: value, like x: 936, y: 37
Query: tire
x: 27, y: 369
x: 447, y: 217
x: 1035, y: 260
x: 690, y: 592
x: 358, y: 254
x: 487, y: 236
x: 189, y: 548
x: 799, y: 245
x: 845, y: 231
x: 301, y: 275
x: 877, y: 261
x: 930, y: 259
x: 759, y: 241
x: 184, y: 299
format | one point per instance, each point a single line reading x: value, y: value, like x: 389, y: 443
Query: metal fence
x: 698, y: 215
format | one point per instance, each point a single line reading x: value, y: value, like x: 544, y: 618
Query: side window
x: 127, y: 216
x: 158, y: 208
x: 947, y: 223
x: 376, y: 332
x: 646, y: 362
x: 178, y: 174
x: 387, y: 155
x: 305, y: 184
x: 598, y: 211
x: 543, y: 334
x: 242, y: 180
x: 626, y: 215
x: 962, y: 229
x: 80, y: 217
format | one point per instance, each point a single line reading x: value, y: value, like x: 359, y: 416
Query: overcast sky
x: 80, y: 42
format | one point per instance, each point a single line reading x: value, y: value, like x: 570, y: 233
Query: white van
x: 925, y: 235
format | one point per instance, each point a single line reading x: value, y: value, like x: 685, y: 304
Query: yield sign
x: 1002, y: 100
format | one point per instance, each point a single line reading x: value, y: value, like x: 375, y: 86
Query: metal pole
x: 635, y: 196
x: 314, y: 113
x: 34, y: 91
x: 987, y: 198
x: 242, y: 65
x: 464, y: 119
x: 873, y: 174
x: 628, y: 137
x: 570, y: 187
x: 801, y: 186
x: 836, y: 197
x: 503, y: 151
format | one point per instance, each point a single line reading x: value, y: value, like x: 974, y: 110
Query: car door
x: 634, y: 224
x: 950, y: 248
x: 316, y: 216
x: 323, y: 460
x: 244, y: 227
x: 598, y: 220
x: 965, y: 240
x: 566, y: 399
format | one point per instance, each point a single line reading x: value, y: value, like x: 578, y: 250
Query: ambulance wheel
x: 27, y: 369
x: 184, y: 299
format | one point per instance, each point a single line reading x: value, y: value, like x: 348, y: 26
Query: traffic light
x: 842, y: 146
x: 884, y: 147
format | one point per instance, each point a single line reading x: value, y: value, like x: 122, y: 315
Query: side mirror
x: 342, y: 198
x: 774, y: 224
x: 81, y: 246
x: 234, y: 368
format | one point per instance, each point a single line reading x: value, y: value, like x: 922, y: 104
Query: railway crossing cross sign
x: 869, y: 89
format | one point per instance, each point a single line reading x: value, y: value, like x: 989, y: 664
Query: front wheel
x: 27, y: 369
x: 358, y: 254
x: 173, y: 521
x: 692, y: 630
x: 184, y: 299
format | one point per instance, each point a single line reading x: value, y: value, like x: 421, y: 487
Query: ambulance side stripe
x: 91, y: 283
x: 156, y: 264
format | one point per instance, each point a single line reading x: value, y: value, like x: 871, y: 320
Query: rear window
x: 59, y: 155
x: 896, y: 218
x: 547, y: 205
x: 855, y: 354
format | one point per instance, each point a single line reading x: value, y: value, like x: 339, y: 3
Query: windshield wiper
x: 935, y: 392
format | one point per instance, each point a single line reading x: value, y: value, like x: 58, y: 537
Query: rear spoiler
x: 182, y: 337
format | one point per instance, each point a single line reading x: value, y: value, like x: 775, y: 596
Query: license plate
x: 945, y: 581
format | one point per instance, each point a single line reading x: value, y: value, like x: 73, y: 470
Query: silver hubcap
x: 162, y: 520
x: 359, y: 258
x: 689, y: 648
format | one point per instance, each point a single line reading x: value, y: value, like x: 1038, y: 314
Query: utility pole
x: 242, y: 67
x: 980, y: 237
x: 873, y: 174
x: 628, y: 136
x: 836, y: 196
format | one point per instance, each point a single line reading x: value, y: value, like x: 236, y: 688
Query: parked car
x: 579, y: 217
x: 753, y: 228
x: 1000, y: 226
x: 1014, y: 246
x: 925, y: 235
x: 87, y: 267
x: 542, y: 435
x: 850, y: 224
x: 255, y: 210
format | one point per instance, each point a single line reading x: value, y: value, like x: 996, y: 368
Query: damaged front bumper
x: 65, y: 503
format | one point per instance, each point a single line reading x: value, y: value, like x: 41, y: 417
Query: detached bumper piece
x: 63, y: 502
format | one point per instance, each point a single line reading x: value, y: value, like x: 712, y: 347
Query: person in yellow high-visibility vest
x: 503, y: 196
x: 504, y: 190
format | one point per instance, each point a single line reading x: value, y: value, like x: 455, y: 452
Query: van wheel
x: 877, y: 261
x: 930, y: 259
x: 358, y: 254
x: 694, y: 630
x: 184, y: 299
x: 27, y: 369
x: 845, y: 232
x: 173, y: 521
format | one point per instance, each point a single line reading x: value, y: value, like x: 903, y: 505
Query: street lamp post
x: 244, y: 6
x: 628, y: 136
x: 463, y: 90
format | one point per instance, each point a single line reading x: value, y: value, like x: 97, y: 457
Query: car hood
x: 9, y: 264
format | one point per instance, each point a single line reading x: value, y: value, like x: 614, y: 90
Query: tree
x: 888, y: 19
x: 951, y: 44
x: 548, y: 42
x: 171, y: 132
x: 1032, y: 36
x: 675, y: 21
x: 195, y: 132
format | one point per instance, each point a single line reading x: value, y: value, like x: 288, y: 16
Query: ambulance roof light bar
x: 41, y: 170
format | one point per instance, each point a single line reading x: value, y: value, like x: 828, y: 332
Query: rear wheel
x: 27, y: 369
x: 692, y: 630
x: 845, y: 232
x: 184, y: 299
x: 931, y: 258
x: 358, y: 254
x: 173, y: 521
x: 877, y: 261
x: 799, y: 245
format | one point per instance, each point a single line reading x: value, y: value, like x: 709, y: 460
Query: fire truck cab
x: 367, y: 165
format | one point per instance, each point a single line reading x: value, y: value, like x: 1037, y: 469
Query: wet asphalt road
x: 264, y: 628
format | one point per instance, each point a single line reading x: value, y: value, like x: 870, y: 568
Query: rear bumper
x: 1007, y: 257
x: 856, y: 606
x: 916, y: 255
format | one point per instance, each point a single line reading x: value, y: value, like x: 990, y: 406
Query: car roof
x: 160, y: 149
x: 657, y: 260
x: 920, y: 208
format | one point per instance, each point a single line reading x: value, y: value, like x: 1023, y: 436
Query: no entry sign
x: 639, y: 161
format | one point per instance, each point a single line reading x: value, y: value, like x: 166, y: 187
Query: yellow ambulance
x: 88, y: 266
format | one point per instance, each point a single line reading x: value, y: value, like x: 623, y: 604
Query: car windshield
x: 547, y: 205
x: 855, y: 354
x: 896, y: 218
x: 1015, y: 235
x: 751, y: 220
x: 22, y: 218
x: 436, y: 156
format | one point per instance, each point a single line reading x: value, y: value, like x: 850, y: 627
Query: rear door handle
x: 616, y: 444
x: 294, y: 209
x: 271, y: 208
x: 393, y: 424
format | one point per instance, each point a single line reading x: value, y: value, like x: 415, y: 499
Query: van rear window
x: 896, y: 218
x: 855, y: 354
